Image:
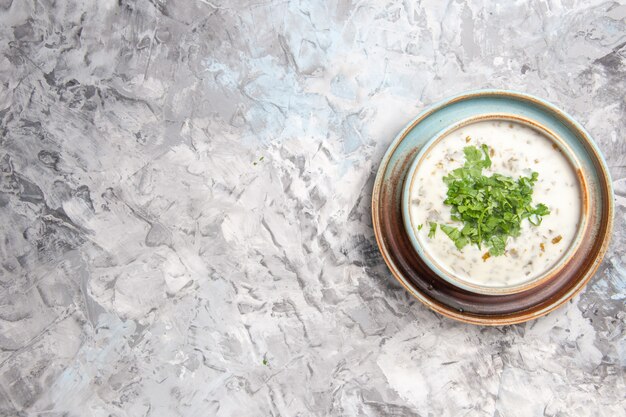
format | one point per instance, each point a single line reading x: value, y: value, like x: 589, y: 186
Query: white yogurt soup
x: 516, y: 150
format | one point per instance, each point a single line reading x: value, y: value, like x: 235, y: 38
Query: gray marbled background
x: 185, y: 208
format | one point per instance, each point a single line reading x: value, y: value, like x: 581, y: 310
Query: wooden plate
x: 454, y: 302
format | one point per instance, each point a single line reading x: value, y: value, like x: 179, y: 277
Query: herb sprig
x: 491, y: 208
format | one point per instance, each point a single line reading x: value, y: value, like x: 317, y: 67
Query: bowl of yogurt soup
x: 516, y: 149
x: 493, y: 207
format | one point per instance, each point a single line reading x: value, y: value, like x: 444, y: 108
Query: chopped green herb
x: 491, y: 208
x: 433, y: 229
x: 419, y: 227
x: 456, y: 235
x: 265, y: 362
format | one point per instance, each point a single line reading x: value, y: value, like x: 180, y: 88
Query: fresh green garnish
x: 491, y: 208
x: 265, y: 362
x: 419, y: 226
x: 457, y: 236
x: 433, y: 229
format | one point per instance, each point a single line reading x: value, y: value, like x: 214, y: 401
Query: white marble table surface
x: 185, y: 220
